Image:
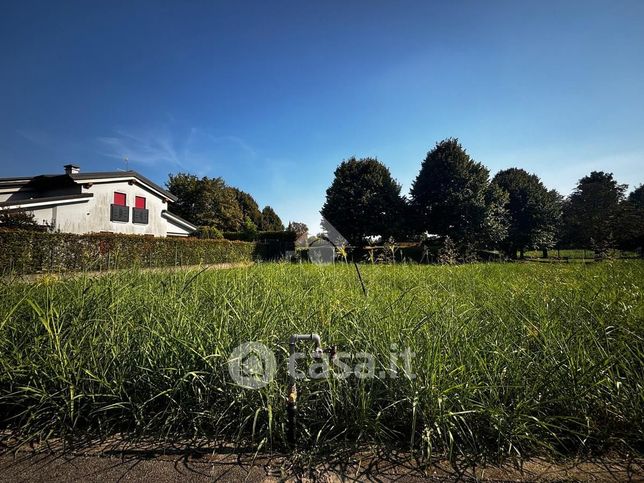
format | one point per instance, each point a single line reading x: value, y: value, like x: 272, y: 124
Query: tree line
x: 210, y: 202
x: 453, y: 199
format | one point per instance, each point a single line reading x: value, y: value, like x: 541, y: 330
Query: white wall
x: 92, y: 215
x: 177, y: 230
x: 95, y: 215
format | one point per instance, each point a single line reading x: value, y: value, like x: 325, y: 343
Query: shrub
x: 447, y: 253
x: 19, y: 219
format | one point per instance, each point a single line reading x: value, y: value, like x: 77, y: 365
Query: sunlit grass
x: 511, y: 359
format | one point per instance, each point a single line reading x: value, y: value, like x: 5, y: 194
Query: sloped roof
x: 45, y: 181
x: 122, y: 174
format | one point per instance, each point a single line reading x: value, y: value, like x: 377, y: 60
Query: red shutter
x: 119, y: 199
x: 139, y: 202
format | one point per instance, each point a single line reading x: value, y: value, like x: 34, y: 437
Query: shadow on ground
x: 140, y: 462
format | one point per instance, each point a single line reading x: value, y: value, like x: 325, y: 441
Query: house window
x: 118, y: 210
x: 139, y: 202
x: 139, y: 212
x: 120, y: 199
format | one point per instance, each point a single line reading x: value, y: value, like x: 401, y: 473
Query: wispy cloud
x: 146, y: 147
x: 40, y: 138
x: 278, y: 172
x: 243, y: 145
x: 194, y: 149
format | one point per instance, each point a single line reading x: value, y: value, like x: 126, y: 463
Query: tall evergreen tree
x: 631, y: 223
x: 533, y: 211
x: 270, y: 221
x: 591, y: 213
x: 636, y: 197
x: 451, y: 197
x: 248, y: 206
x: 364, y: 200
x: 495, y: 224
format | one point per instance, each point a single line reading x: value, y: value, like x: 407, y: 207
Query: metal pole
x: 291, y: 400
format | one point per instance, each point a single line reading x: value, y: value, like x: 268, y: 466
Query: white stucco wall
x: 94, y: 216
x: 42, y: 215
x: 177, y: 229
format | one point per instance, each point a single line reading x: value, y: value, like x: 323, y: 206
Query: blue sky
x: 273, y: 95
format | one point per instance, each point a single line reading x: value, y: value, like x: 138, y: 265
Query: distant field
x: 579, y: 254
x: 511, y: 359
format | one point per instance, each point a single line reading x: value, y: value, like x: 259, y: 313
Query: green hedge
x: 270, y: 245
x: 208, y: 233
x: 262, y: 236
x: 30, y: 252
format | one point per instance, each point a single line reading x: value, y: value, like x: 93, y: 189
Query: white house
x: 75, y: 202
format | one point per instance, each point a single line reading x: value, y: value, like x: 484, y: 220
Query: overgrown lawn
x: 510, y: 359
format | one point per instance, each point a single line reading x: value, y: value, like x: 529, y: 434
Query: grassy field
x: 511, y: 359
x: 579, y: 254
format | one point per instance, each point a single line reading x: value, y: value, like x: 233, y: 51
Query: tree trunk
x: 522, y: 253
x: 544, y: 252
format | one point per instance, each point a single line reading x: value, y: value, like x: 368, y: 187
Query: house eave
x: 178, y: 221
x: 32, y: 203
x: 13, y: 183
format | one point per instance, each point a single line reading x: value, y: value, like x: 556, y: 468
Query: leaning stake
x: 364, y: 289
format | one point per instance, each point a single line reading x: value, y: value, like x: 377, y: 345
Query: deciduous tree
x: 297, y: 227
x: 205, y: 201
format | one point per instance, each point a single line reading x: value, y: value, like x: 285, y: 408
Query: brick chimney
x: 72, y: 169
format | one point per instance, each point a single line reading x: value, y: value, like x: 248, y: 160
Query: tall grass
x: 511, y: 359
